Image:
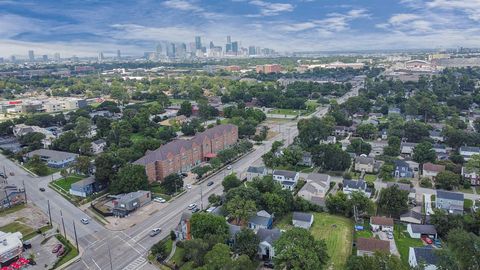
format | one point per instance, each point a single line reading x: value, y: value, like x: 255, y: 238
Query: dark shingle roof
x: 287, y: 174
x: 364, y: 160
x: 80, y: 184
x: 426, y: 255
x: 54, y: 155
x: 386, y: 221
x: 360, y: 184
x: 449, y: 195
x: 401, y: 163
x: 423, y: 229
x: 300, y: 216
x: 269, y: 236
x: 412, y: 214
x: 470, y: 148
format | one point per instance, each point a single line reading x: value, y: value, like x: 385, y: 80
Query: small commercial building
x: 53, y: 158
x: 127, y: 203
x: 11, y: 246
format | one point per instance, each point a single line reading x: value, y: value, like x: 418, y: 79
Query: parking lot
x: 42, y: 253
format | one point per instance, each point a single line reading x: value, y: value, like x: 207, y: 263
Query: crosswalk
x: 136, y: 264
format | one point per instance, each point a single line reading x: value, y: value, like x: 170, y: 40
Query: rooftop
x: 433, y: 167
x: 51, y: 154
x: 423, y: 229
x: 386, y: 221
x: 269, y: 236
x: 287, y: 174
x: 372, y: 244
x: 425, y: 254
x: 443, y: 194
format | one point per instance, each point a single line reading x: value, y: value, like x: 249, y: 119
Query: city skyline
x: 86, y: 29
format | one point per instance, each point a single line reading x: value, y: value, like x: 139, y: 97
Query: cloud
x: 470, y: 7
x: 182, y: 5
x: 272, y: 9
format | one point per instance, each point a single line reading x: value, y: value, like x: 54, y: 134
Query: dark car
x: 268, y: 264
x: 56, y: 248
x: 32, y: 262
x: 210, y: 183
x: 27, y: 244
x: 42, y: 189
x: 195, y: 210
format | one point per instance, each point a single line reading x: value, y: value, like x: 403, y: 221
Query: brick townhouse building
x: 182, y: 155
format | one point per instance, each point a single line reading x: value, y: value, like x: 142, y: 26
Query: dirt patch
x: 30, y: 216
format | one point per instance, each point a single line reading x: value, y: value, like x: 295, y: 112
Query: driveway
x: 393, y: 246
x: 428, y: 203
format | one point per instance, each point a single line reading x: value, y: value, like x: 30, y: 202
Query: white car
x: 192, y: 206
x: 155, y: 231
x: 229, y: 167
x: 160, y: 200
x: 188, y: 186
x: 85, y: 221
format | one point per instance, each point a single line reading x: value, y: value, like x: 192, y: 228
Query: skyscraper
x: 119, y: 55
x: 45, y: 58
x: 57, y: 57
x: 235, y: 47
x: 100, y: 56
x: 251, y: 50
x: 229, y: 40
x: 228, y: 46
x: 198, y: 43
x: 31, y: 56
x: 211, y: 45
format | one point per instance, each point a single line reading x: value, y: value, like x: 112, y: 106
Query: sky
x: 86, y: 27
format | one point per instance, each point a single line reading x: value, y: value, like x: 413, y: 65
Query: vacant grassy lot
x: 337, y: 233
x: 15, y: 208
x: 65, y: 183
x: 404, y: 242
x: 17, y: 227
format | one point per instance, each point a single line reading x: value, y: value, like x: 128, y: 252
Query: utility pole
x: 201, y: 197
x: 49, y: 213
x: 75, y: 233
x: 63, y: 225
x: 25, y: 191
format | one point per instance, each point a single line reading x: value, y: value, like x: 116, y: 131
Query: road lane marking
x: 85, y: 264
x: 96, y: 264
x: 136, y: 264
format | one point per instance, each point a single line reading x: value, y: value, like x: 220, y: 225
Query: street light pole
x: 201, y: 196
x: 75, y: 233
x: 25, y: 191
x: 49, y: 213
x: 63, y: 225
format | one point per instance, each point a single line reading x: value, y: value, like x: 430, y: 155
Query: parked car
x: 194, y: 210
x: 268, y: 264
x: 42, y: 189
x: 210, y: 183
x: 427, y: 239
x: 437, y: 243
x: 192, y: 206
x: 32, y: 262
x: 188, y: 186
x: 61, y: 251
x: 229, y: 167
x: 159, y: 200
x: 389, y: 235
x: 155, y: 231
x: 27, y: 244
x: 2, y: 175
x: 85, y: 221
x: 56, y: 248
x: 184, y: 174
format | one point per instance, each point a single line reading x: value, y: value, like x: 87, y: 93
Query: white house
x: 350, y: 186
x: 364, y: 163
x: 267, y: 239
x: 302, y: 220
x: 381, y: 224
x: 417, y: 230
x: 406, y: 148
x: 98, y: 146
x: 468, y: 151
x: 424, y: 256
x: 287, y: 179
x: 471, y: 175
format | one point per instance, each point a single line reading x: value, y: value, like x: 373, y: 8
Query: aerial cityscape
x: 240, y: 134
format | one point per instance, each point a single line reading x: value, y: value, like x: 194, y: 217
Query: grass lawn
x: 178, y: 256
x: 65, y: 183
x: 466, y: 190
x: 337, y: 233
x: 176, y: 101
x: 12, y: 209
x: 286, y: 111
x: 159, y: 191
x: 467, y: 204
x: 17, y: 227
x: 285, y: 223
x: 404, y: 242
x: 370, y: 177
x: 364, y: 234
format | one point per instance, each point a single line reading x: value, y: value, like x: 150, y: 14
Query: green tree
x: 359, y: 147
x: 185, y: 109
x: 444, y: 222
x: 393, y: 201
x: 447, y: 180
x: 297, y: 249
x: 313, y: 130
x: 465, y: 247
x: 32, y: 140
x: 246, y: 242
x: 415, y: 131
x: 195, y: 251
x: 367, y: 131
x: 82, y: 165
x: 379, y: 261
x: 230, y: 181
x: 172, y: 183
x: 218, y: 258
x: 240, y: 208
x: 201, y: 170
x: 205, y: 225
x: 82, y: 126
x: 423, y: 152
x: 330, y: 157
x: 130, y: 178
x: 36, y: 164
x: 107, y: 166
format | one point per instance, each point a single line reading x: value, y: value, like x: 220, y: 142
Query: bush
x: 405, y: 181
x: 426, y: 183
x: 347, y: 175
x: 466, y: 184
x: 173, y: 236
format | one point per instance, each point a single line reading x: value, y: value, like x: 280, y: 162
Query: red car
x: 57, y: 248
x: 60, y: 252
x: 427, y: 240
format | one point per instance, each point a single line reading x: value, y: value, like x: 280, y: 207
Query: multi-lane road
x: 105, y: 249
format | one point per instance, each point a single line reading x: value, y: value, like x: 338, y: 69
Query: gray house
x: 127, y: 203
x: 53, y: 158
x: 302, y: 220
x: 253, y: 172
x: 267, y: 238
x: 402, y: 169
x: 451, y: 202
x: 84, y: 187
x: 306, y: 160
